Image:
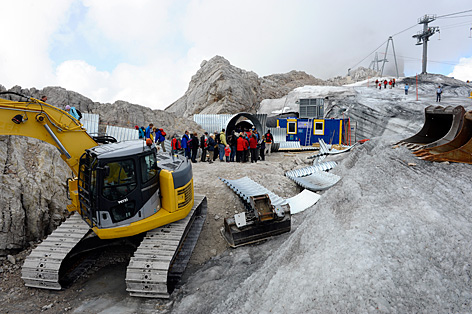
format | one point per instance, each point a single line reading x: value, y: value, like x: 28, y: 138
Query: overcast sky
x: 146, y: 51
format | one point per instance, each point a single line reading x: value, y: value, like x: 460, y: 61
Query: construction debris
x: 266, y: 215
x: 326, y: 150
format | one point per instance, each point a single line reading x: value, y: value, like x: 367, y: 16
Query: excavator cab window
x: 148, y: 167
x: 119, y: 179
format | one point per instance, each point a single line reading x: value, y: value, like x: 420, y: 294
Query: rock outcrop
x: 279, y: 85
x: 32, y: 191
x: 219, y: 87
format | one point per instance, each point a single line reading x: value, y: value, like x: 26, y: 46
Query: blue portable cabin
x: 311, y: 126
x: 308, y: 131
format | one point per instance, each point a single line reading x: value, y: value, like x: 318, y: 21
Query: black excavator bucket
x: 441, y: 125
x: 457, y: 150
x: 261, y: 221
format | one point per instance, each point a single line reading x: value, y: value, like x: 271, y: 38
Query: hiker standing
x: 406, y: 88
x: 438, y: 94
x: 204, y: 145
x: 211, y: 147
x: 268, y: 139
x: 185, y: 146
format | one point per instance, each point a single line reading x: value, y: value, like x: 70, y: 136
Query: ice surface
x: 388, y: 238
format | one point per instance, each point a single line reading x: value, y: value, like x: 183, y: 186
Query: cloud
x: 27, y: 27
x: 146, y: 51
x: 463, y: 71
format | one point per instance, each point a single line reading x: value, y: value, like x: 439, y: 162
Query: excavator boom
x: 34, y: 118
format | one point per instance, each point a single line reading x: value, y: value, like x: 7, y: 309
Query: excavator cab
x: 118, y: 184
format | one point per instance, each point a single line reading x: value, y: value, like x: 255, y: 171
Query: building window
x: 291, y: 127
x: 319, y: 128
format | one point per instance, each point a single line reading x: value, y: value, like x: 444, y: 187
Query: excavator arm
x: 33, y: 118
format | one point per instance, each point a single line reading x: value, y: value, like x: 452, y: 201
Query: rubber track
x: 160, y: 260
x: 41, y: 267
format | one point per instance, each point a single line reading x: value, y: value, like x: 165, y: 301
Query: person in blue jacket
x: 160, y: 138
x: 184, y: 142
x: 74, y: 112
x: 149, y: 130
x: 140, y: 131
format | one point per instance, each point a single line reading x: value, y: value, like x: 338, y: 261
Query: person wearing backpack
x: 211, y: 147
x: 269, y: 140
x: 140, y: 131
x: 74, y: 112
x: 160, y: 138
x: 204, y: 145
x: 175, y: 144
x: 217, y: 144
x: 185, y: 144
x: 194, y: 146
x: 232, y: 141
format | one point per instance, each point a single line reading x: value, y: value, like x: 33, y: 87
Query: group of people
x: 152, y: 134
x: 390, y: 83
x: 239, y: 146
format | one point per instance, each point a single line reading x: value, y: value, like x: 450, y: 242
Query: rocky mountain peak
x: 218, y: 87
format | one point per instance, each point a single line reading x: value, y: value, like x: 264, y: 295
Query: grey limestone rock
x: 221, y: 88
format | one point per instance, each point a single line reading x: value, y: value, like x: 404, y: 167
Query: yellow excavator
x: 120, y: 190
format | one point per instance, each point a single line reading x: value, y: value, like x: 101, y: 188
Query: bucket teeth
x: 454, y: 146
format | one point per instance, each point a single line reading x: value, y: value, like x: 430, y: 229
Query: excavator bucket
x: 457, y: 150
x: 440, y: 127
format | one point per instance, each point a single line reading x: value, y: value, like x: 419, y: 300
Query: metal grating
x: 317, y: 181
x: 90, y: 122
x: 216, y: 122
x: 212, y: 122
x: 325, y: 166
x: 122, y: 134
x: 245, y: 188
x: 279, y: 134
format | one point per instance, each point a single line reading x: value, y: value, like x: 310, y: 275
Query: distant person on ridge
x: 438, y: 94
x: 406, y: 88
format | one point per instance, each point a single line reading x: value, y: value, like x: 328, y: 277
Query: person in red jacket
x: 240, y: 146
x: 227, y: 152
x: 253, y: 147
